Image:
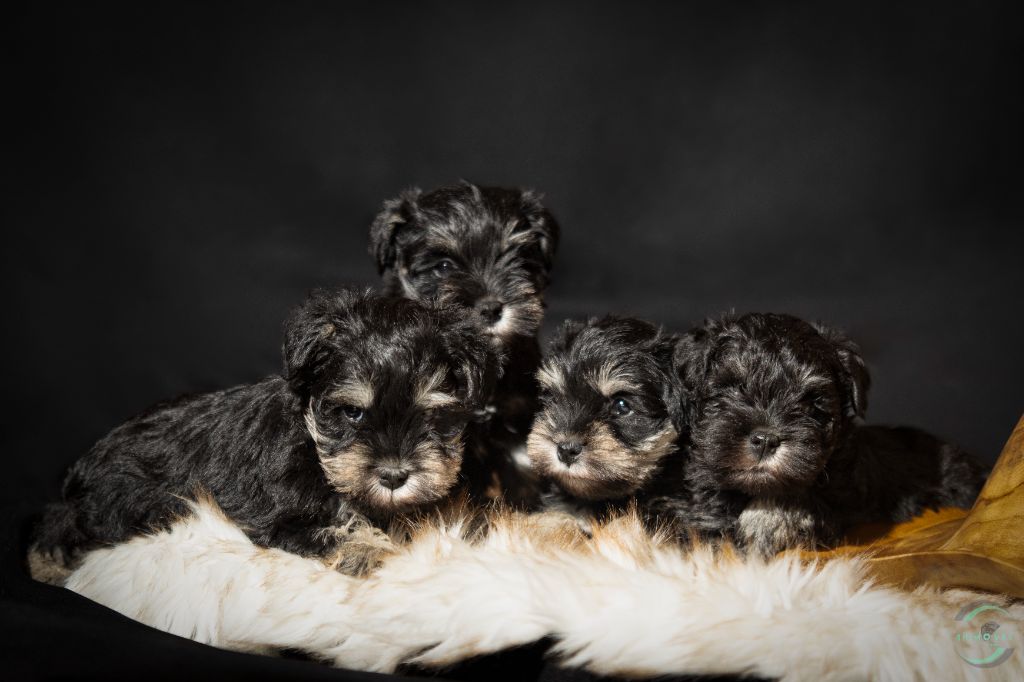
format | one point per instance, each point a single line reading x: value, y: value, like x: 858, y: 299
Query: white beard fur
x: 623, y: 603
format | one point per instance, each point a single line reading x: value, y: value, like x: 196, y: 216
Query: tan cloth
x: 981, y: 549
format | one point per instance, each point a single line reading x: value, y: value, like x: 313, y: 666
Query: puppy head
x: 485, y: 249
x: 388, y: 386
x: 770, y: 397
x: 610, y: 410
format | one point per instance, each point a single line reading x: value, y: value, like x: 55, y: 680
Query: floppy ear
x: 664, y: 351
x: 477, y: 363
x: 312, y: 337
x: 540, y: 223
x: 566, y: 334
x: 396, y: 215
x: 688, y: 357
x: 689, y: 361
x: 854, y: 372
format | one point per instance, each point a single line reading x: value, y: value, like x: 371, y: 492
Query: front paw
x: 359, y: 550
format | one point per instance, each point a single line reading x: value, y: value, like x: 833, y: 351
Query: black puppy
x: 366, y: 423
x: 611, y: 411
x: 776, y: 458
x: 488, y: 251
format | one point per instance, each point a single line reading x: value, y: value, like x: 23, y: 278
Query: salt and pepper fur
x: 589, y: 370
x: 488, y: 251
x: 371, y: 385
x: 806, y: 386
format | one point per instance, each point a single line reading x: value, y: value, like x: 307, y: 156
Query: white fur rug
x: 623, y: 603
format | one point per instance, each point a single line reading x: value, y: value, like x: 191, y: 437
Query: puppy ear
x: 854, y: 372
x: 396, y: 215
x: 312, y: 335
x: 689, y: 361
x: 688, y: 357
x: 477, y: 363
x: 566, y: 334
x: 540, y: 222
x: 664, y: 350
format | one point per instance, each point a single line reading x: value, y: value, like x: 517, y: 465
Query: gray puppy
x: 487, y: 251
x: 776, y: 456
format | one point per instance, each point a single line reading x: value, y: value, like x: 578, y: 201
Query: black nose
x: 489, y: 309
x: 569, y: 452
x: 764, y: 443
x: 393, y: 478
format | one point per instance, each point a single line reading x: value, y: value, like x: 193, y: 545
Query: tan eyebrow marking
x: 428, y: 394
x: 609, y: 379
x: 356, y: 392
x: 550, y: 378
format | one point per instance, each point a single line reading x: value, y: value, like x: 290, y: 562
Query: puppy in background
x: 608, y: 428
x: 366, y: 423
x: 777, y: 458
x: 488, y: 251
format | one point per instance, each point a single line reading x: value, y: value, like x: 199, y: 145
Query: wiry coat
x: 608, y: 428
x: 488, y: 251
x: 776, y: 457
x: 285, y: 458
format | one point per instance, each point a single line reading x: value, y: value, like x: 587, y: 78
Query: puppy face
x: 610, y: 408
x: 770, y: 398
x: 483, y: 249
x: 388, y: 387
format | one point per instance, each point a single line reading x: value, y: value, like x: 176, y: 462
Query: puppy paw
x: 360, y: 550
x: 52, y: 568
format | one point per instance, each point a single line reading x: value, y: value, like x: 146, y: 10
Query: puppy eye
x: 818, y: 403
x: 352, y: 413
x: 820, y: 408
x: 444, y: 267
x: 620, y: 407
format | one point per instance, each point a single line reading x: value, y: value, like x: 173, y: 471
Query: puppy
x: 611, y: 411
x: 777, y: 459
x: 488, y: 251
x: 365, y: 424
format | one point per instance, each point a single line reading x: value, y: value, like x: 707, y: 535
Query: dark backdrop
x: 178, y: 176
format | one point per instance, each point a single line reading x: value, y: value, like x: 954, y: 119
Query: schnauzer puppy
x: 366, y: 423
x: 488, y: 251
x: 610, y: 417
x: 776, y: 459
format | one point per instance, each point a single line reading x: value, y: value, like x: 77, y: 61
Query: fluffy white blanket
x: 622, y: 603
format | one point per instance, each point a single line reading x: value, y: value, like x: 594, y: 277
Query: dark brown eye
x: 444, y: 267
x: 620, y: 407
x: 352, y: 413
x: 820, y: 408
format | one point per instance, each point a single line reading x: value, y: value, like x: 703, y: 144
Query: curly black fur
x: 776, y: 457
x: 366, y: 422
x: 489, y: 251
x: 610, y: 416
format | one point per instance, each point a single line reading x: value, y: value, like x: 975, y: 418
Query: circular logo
x: 984, y: 636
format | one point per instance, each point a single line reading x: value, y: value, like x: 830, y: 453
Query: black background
x: 179, y: 175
